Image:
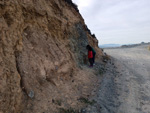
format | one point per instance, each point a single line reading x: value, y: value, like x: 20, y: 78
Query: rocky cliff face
x: 42, y: 51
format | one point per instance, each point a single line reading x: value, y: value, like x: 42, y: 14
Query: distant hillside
x: 133, y: 45
x: 109, y: 45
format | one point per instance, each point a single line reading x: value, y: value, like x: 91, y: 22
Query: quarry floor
x: 125, y: 86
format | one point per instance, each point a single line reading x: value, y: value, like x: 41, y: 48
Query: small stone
x: 31, y: 94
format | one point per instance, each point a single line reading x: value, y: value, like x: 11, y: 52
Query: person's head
x: 90, y: 49
x: 87, y: 47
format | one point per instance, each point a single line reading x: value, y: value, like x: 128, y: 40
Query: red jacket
x: 90, y: 54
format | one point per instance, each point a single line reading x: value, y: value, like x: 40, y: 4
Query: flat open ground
x: 126, y: 88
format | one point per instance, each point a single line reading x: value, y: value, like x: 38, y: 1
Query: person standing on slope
x: 94, y: 53
x: 90, y: 56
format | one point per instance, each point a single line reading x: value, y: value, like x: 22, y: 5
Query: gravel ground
x: 125, y: 87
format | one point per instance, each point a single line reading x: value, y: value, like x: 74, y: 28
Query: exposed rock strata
x: 42, y: 49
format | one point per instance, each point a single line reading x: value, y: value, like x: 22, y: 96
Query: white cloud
x: 117, y: 20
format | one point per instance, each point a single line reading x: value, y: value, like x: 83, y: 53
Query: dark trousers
x: 94, y: 57
x: 91, y: 61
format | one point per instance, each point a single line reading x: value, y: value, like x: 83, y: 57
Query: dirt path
x: 133, y: 80
x: 125, y: 87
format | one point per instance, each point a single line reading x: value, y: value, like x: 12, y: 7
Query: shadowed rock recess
x: 42, y: 56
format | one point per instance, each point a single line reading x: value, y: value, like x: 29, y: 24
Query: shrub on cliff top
x: 72, y: 4
x: 93, y: 35
x: 89, y: 31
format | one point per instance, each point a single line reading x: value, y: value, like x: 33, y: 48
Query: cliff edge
x: 42, y: 56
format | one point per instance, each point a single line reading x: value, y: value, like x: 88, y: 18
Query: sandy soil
x: 133, y: 80
x: 125, y: 87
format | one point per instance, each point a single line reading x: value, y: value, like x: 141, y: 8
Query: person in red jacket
x: 90, y: 56
x: 94, y: 53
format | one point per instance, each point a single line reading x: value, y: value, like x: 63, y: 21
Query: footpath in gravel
x: 125, y: 87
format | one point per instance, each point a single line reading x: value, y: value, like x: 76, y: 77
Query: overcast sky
x: 117, y: 21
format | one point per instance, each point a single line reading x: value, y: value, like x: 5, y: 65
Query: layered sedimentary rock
x: 42, y: 51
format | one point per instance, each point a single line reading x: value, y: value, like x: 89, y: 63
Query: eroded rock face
x: 42, y: 46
